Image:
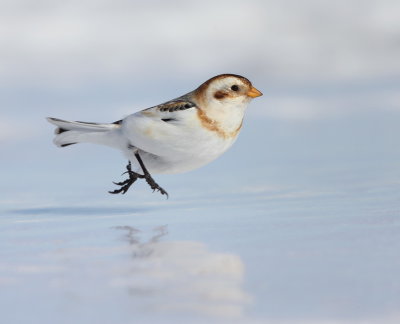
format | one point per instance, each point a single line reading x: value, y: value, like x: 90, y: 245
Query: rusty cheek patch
x: 220, y: 95
x: 213, y: 126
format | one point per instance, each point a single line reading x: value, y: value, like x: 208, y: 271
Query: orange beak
x: 254, y: 93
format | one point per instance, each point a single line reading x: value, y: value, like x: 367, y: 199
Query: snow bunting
x: 177, y: 136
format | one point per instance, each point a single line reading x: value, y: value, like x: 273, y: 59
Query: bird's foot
x: 133, y: 176
x: 125, y: 185
x: 154, y: 185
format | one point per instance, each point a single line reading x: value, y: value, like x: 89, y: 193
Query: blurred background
x: 300, y: 218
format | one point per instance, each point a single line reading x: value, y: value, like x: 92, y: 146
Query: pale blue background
x: 297, y: 223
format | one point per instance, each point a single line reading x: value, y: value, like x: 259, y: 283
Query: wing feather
x: 156, y: 129
x: 171, y: 106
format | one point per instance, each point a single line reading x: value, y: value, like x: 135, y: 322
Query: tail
x: 68, y: 133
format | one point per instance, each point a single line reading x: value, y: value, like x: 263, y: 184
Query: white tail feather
x: 69, y: 132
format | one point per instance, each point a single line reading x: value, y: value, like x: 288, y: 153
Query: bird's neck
x: 226, y: 121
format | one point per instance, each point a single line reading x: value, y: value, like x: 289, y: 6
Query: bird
x: 176, y: 136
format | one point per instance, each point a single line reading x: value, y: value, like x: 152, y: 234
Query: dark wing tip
x: 68, y: 144
x: 60, y: 130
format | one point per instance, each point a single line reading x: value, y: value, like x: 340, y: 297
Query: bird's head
x: 226, y: 90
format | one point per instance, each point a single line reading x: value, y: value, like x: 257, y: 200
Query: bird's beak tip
x: 254, y: 93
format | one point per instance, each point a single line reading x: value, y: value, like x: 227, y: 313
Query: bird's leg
x: 153, y: 185
x: 133, y: 176
x: 125, y: 185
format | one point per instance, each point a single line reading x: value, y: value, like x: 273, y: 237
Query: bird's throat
x: 219, y: 128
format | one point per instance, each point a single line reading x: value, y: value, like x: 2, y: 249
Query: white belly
x: 200, y: 153
x: 173, y: 147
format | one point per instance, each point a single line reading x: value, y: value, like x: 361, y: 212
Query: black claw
x: 123, y: 188
x: 133, y: 176
x: 122, y: 183
x: 154, y: 185
x: 125, y: 185
x: 116, y: 191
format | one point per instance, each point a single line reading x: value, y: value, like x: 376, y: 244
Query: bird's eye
x: 235, y: 87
